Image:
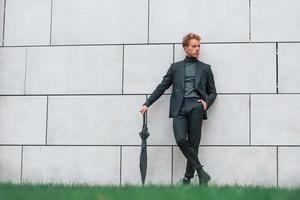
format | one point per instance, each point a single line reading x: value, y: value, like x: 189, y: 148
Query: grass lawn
x: 10, y: 191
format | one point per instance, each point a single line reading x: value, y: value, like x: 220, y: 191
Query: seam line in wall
x: 173, y: 53
x: 123, y: 66
x: 51, y: 12
x: 22, y: 152
x: 47, y: 109
x: 250, y: 120
x: 3, y: 25
x: 146, y: 44
x: 121, y: 160
x: 250, y: 21
x: 172, y: 165
x: 139, y: 94
x: 26, y: 61
x: 277, y: 166
x: 148, y: 22
x: 150, y: 145
x: 277, y: 83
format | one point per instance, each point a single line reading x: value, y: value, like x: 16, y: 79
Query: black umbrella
x: 143, y: 156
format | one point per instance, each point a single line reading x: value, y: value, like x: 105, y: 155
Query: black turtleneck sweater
x: 190, y: 71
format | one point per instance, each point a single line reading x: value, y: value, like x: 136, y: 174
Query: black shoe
x: 186, y: 181
x: 204, y: 177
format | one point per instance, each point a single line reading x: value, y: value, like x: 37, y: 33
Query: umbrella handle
x: 145, y: 118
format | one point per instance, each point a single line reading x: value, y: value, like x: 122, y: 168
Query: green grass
x: 10, y: 191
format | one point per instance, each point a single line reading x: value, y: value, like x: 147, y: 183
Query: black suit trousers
x: 187, y: 131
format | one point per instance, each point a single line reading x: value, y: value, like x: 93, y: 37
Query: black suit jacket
x: 204, y: 82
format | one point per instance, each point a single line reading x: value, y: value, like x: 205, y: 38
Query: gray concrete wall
x: 73, y: 74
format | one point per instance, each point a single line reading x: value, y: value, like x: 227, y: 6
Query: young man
x: 193, y: 93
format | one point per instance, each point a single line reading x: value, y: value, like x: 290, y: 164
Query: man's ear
x: 185, y: 48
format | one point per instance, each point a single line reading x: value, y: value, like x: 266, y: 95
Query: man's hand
x: 143, y: 109
x: 203, y: 103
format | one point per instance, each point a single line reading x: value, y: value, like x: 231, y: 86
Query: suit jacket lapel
x: 198, y: 74
x: 181, y: 71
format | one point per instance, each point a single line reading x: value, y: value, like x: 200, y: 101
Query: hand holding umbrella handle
x: 143, y: 109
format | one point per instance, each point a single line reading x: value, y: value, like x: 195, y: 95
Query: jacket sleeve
x: 210, y: 88
x: 161, y: 88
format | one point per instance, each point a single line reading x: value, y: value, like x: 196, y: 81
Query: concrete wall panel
x: 94, y: 165
x: 27, y: 22
x: 12, y: 70
x: 79, y: 70
x: 93, y: 21
x: 145, y: 66
x: 288, y: 68
x: 275, y: 20
x: 10, y: 164
x: 274, y: 119
x: 97, y: 120
x: 222, y: 21
x: 288, y: 167
x: 23, y: 119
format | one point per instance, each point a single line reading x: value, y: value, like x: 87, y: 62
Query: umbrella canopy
x: 143, y: 156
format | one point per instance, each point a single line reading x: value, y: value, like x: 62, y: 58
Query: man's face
x: 193, y: 49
